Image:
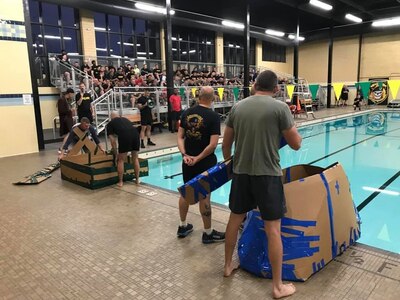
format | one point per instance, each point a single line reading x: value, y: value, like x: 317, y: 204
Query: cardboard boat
x: 95, y: 169
x: 321, y: 223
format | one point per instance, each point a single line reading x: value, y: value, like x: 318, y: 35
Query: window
x: 126, y: 37
x: 54, y: 28
x: 273, y: 52
x: 190, y: 45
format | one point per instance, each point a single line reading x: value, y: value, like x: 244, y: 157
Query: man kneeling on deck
x: 128, y: 140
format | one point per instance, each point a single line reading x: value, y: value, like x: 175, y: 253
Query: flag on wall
x: 337, y: 87
x: 394, y: 87
x: 220, y: 93
x: 236, y: 93
x: 290, y: 90
x: 182, y: 92
x: 364, y: 86
x: 314, y: 89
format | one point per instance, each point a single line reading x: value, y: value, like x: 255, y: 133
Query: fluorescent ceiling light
x: 353, y: 18
x: 100, y: 28
x: 386, y: 22
x: 144, y: 58
x: 321, y: 4
x: 117, y: 56
x: 54, y: 37
x: 144, y: 53
x: 184, y: 52
x: 274, y: 32
x: 387, y: 192
x: 101, y: 49
x: 231, y: 45
x: 174, y: 49
x: 153, y: 8
x: 293, y: 37
x: 208, y: 43
x: 232, y: 24
x: 192, y: 51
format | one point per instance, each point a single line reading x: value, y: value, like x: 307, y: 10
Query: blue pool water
x: 368, y: 147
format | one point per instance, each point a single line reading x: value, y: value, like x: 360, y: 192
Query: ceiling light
x: 101, y: 49
x: 192, y: 51
x: 386, y: 22
x: 153, y: 8
x: 353, y: 18
x: 100, y: 28
x: 274, y: 32
x: 232, y: 24
x: 231, y: 45
x: 321, y: 4
x: 293, y: 37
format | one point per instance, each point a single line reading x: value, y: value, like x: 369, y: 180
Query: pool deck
x: 62, y: 241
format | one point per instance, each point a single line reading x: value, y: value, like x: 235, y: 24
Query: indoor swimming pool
x: 368, y: 147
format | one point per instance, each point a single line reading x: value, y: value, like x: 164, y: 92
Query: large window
x: 126, y: 37
x: 234, y: 50
x: 190, y: 45
x: 54, y: 28
x: 273, y: 52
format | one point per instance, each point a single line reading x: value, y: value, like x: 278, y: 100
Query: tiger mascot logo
x: 378, y: 95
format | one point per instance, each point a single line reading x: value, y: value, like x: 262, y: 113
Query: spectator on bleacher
x: 144, y: 104
x: 176, y: 109
x: 65, y: 65
x: 136, y: 69
x: 157, y: 72
x: 84, y: 103
x: 145, y: 70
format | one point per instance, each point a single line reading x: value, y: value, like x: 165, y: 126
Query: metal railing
x: 64, y: 75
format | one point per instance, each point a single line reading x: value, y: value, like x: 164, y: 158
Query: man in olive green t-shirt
x: 256, y: 125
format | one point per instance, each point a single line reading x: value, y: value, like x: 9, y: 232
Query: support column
x: 168, y: 61
x: 162, y: 48
x: 359, y: 57
x: 88, y: 35
x: 246, y: 70
x: 296, y: 51
x: 219, y: 51
x: 330, y: 55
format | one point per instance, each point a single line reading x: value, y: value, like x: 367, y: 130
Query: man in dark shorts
x: 176, y: 109
x: 128, y: 140
x: 256, y: 125
x: 197, y: 139
x: 146, y: 118
x: 84, y: 103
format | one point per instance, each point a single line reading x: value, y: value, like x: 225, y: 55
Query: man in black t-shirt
x: 84, y: 103
x: 197, y: 139
x: 145, y: 104
x: 128, y: 140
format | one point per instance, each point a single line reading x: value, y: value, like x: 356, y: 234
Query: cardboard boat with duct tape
x: 321, y: 223
x: 95, y: 169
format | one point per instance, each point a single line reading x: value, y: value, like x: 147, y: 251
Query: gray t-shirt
x: 258, y: 122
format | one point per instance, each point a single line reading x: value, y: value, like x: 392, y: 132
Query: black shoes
x: 142, y: 145
x: 150, y: 143
x: 215, y: 236
x: 183, y: 231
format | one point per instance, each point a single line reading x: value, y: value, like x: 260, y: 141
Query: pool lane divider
x: 352, y: 145
x: 375, y: 194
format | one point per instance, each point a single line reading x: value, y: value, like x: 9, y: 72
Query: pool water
x: 368, y: 147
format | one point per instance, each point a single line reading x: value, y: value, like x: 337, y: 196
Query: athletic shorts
x: 265, y: 192
x: 146, y: 119
x: 129, y: 142
x: 189, y: 172
x: 175, y: 115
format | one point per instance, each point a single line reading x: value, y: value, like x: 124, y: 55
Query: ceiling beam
x: 357, y: 6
